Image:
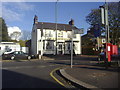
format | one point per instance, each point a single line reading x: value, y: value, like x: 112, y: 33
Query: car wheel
x: 12, y: 58
x: 29, y: 57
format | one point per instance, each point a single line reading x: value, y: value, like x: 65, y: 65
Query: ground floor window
x: 60, y: 46
x: 50, y: 45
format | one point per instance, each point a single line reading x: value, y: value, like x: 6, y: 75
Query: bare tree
x: 15, y: 35
x: 26, y: 35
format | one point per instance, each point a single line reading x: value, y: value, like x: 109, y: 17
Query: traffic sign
x: 78, y: 31
x: 97, y: 30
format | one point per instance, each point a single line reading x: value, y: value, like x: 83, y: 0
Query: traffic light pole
x: 107, y: 32
x: 106, y: 28
x: 104, y: 15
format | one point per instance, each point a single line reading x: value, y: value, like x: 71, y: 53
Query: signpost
x: 97, y: 33
x: 78, y: 31
x: 74, y: 31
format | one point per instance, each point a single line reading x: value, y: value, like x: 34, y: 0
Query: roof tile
x: 46, y: 25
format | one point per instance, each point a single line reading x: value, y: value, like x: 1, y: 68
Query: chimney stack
x: 71, y: 22
x: 35, y: 20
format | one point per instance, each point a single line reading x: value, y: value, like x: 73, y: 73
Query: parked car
x: 116, y: 57
x: 102, y: 56
x: 16, y: 55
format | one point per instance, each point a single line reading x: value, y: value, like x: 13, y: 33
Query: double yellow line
x: 51, y: 74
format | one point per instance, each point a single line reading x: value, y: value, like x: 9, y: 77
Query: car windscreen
x: 11, y: 53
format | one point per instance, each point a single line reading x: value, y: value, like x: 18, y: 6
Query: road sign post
x: 74, y: 31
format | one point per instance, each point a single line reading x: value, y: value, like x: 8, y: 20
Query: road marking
x: 4, y: 68
x: 51, y: 74
x: 93, y: 61
x: 19, y: 60
x: 19, y: 67
x: 52, y: 65
x: 41, y: 66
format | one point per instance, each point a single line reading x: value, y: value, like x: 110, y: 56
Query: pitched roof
x: 46, y: 25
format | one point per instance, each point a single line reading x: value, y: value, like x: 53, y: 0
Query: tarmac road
x: 34, y: 74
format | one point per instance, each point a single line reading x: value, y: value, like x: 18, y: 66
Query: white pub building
x: 52, y: 38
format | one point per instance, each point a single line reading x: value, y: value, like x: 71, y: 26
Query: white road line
x: 41, y: 66
x: 52, y: 65
x: 17, y: 67
x: 27, y: 67
x: 20, y: 67
x: 4, y: 68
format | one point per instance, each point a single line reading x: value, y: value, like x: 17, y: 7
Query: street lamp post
x: 72, y: 47
x: 56, y: 25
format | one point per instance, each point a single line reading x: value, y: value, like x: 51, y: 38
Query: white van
x: 8, y: 47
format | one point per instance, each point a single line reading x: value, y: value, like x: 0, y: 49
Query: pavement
x: 92, y: 76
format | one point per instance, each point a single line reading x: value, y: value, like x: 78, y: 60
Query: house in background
x: 44, y: 39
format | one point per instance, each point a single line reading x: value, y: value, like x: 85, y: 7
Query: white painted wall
x: 24, y: 49
x: 78, y: 44
x: 37, y: 45
x: 34, y: 41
